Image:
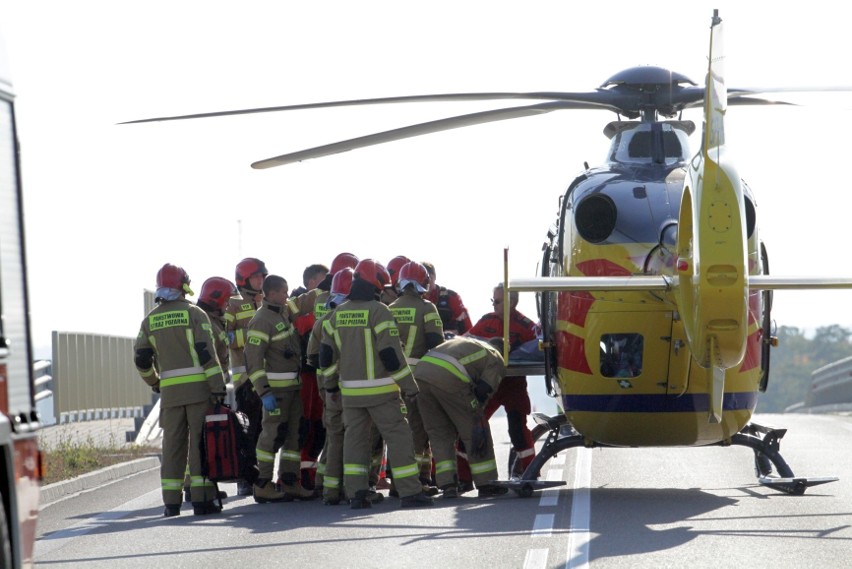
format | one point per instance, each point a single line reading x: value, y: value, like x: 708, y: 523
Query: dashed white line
x: 536, y: 559
x: 578, y: 540
x: 543, y: 525
x: 550, y: 497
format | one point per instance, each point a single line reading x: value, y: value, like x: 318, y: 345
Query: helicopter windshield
x: 649, y: 143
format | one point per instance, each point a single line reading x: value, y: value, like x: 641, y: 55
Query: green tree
x: 795, y: 358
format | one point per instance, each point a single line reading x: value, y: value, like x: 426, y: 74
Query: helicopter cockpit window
x: 621, y: 355
x: 640, y: 145
x: 664, y: 143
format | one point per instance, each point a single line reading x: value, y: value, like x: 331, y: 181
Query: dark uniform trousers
x: 451, y: 415
x: 280, y: 430
x: 182, y: 425
x: 331, y: 462
x: 389, y: 419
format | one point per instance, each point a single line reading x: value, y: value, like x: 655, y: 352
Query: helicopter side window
x: 621, y: 355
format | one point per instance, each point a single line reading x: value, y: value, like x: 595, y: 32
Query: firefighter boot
x: 171, y: 510
x: 244, y: 488
x: 416, y: 501
x: 265, y: 491
x: 293, y: 489
x: 205, y: 508
x: 428, y: 488
x: 360, y: 500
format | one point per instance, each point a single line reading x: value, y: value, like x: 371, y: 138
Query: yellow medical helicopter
x: 654, y: 295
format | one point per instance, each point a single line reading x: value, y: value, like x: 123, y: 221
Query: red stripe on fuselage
x: 572, y: 353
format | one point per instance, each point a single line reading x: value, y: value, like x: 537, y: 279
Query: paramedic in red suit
x: 454, y: 315
x: 512, y: 393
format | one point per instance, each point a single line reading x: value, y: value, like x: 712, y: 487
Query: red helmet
x: 394, y: 265
x: 342, y: 261
x: 413, y: 273
x: 385, y: 275
x: 342, y: 281
x: 248, y: 267
x: 372, y: 272
x: 216, y: 291
x: 172, y: 276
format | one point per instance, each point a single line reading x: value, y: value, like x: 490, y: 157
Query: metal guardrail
x: 94, y: 378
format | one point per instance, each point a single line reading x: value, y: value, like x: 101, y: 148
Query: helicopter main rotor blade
x: 591, y: 97
x: 424, y: 128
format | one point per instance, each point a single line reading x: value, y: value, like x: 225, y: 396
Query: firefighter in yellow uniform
x: 175, y: 355
x: 456, y: 379
x: 273, y: 355
x: 213, y: 298
x: 420, y: 330
x: 363, y: 340
x: 249, y: 273
x: 330, y: 467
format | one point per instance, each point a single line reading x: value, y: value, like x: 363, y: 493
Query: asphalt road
x: 620, y: 508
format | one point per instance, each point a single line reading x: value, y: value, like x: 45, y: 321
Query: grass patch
x: 69, y: 458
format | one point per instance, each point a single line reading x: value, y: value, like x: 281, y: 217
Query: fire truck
x: 20, y: 458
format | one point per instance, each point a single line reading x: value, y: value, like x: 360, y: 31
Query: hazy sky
x: 107, y: 205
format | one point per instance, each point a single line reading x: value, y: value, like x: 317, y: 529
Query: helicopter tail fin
x: 712, y: 278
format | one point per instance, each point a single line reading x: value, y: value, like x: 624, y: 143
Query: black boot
x: 205, y: 508
x: 360, y: 500
x: 418, y: 500
x: 244, y: 488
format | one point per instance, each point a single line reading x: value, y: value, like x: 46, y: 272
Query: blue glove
x: 270, y: 403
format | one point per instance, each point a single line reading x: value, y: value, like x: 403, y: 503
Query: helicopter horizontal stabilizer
x: 795, y: 485
x: 662, y: 283
x: 637, y: 283
x: 773, y: 282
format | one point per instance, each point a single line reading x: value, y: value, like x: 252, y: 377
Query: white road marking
x: 543, y: 525
x: 558, y: 460
x: 60, y: 539
x: 578, y: 540
x: 551, y: 497
x: 536, y: 559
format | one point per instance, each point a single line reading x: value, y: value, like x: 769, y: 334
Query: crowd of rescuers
x: 366, y: 378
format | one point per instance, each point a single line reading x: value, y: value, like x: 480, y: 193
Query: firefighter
x: 391, y: 293
x: 512, y: 395
x: 450, y: 306
x: 249, y: 273
x: 312, y: 467
x: 362, y: 339
x: 311, y: 429
x: 420, y: 330
x: 273, y: 356
x: 331, y: 462
x: 213, y: 298
x: 176, y: 356
x: 456, y: 379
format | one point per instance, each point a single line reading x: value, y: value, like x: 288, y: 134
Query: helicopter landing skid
x: 765, y: 442
x: 525, y: 488
x: 795, y: 486
x: 560, y: 436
